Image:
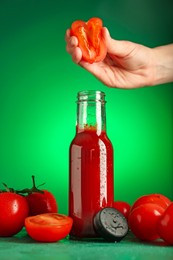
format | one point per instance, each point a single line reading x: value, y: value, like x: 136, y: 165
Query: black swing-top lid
x: 110, y: 224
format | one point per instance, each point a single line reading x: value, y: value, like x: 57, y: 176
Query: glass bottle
x: 91, y: 165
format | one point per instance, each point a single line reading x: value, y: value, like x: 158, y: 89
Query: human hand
x: 127, y: 64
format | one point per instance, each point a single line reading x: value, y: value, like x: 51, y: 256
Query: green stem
x: 32, y: 190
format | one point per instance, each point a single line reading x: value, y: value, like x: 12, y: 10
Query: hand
x: 127, y: 64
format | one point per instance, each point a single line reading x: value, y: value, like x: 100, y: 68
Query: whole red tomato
x: 40, y: 203
x: 90, y: 39
x: 165, y: 225
x: 122, y: 207
x: 49, y: 227
x: 13, y: 211
x: 155, y: 198
x: 143, y: 221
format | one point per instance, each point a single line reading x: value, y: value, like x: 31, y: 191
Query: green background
x: 38, y: 87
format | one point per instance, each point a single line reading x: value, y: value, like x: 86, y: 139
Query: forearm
x: 163, y: 59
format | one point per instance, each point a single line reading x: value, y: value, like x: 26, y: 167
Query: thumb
x: 117, y: 47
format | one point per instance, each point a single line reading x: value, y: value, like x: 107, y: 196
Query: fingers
x: 117, y: 47
x: 72, y: 47
x: 67, y: 35
x: 71, y: 42
x: 76, y: 55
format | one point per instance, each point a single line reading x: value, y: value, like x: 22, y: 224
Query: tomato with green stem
x: 39, y: 201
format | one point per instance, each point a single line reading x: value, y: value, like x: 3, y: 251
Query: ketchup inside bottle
x: 91, y: 169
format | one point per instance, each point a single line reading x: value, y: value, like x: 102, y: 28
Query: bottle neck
x: 91, y: 115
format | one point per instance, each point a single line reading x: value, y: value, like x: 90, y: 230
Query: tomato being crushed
x: 90, y: 39
x: 48, y: 227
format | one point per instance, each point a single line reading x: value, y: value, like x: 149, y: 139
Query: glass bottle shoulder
x: 90, y: 139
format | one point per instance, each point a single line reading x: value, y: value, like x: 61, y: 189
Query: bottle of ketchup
x: 91, y: 165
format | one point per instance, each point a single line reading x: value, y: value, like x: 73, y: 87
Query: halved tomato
x: 90, y: 39
x: 48, y: 227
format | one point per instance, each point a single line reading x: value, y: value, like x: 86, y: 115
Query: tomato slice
x: 48, y: 227
x: 90, y: 39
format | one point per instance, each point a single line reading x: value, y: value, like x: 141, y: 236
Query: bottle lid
x: 110, y: 224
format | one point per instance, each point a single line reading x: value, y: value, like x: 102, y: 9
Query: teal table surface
x: 23, y: 247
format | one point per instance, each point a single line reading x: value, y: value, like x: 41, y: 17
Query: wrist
x: 163, y: 63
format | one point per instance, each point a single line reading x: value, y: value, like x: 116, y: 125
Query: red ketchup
x: 91, y: 165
